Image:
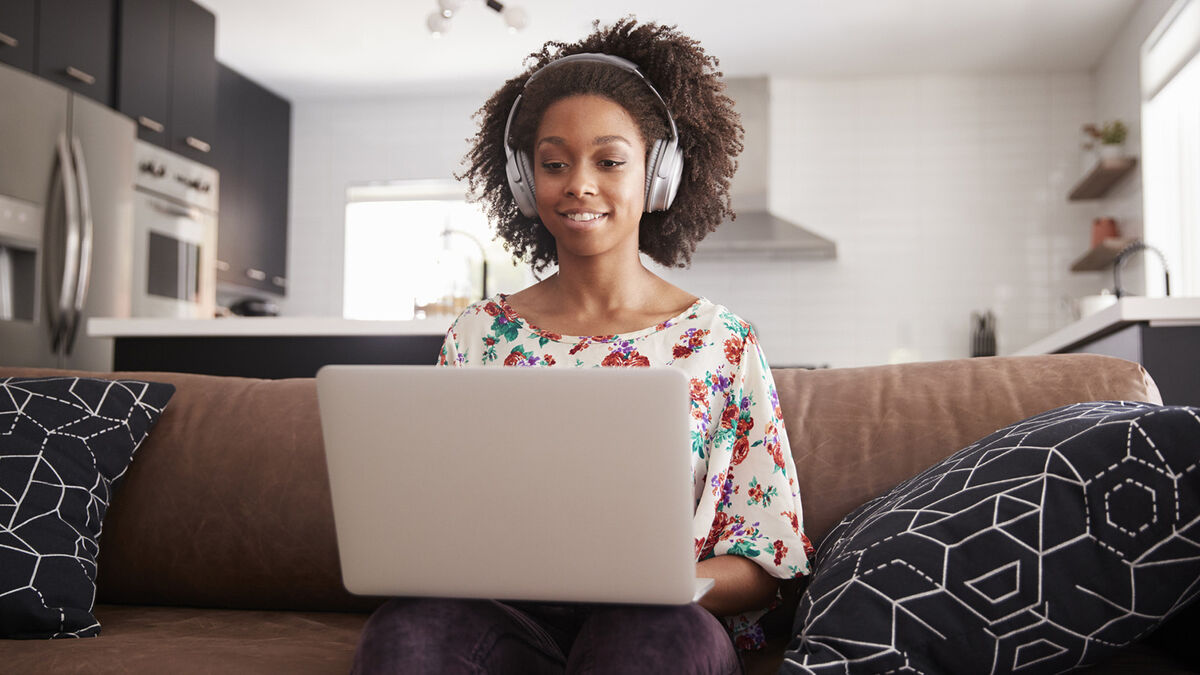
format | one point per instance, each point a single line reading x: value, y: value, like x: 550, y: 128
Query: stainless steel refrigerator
x: 66, y: 223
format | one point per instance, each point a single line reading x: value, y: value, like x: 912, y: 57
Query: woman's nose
x: 581, y: 181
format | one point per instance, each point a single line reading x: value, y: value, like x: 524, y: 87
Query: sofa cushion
x: 64, y: 442
x: 184, y: 640
x: 1042, y: 547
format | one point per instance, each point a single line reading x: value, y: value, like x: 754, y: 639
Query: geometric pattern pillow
x: 1043, y: 547
x: 64, y: 441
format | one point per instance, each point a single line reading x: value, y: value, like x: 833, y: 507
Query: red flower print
x: 549, y: 360
x: 697, y: 341
x: 619, y: 359
x: 680, y: 352
x: 809, y: 551
x: 549, y: 336
x: 791, y: 515
x: 699, y: 390
x: 745, y: 643
x: 579, y: 346
x: 745, y: 424
x: 699, y: 547
x: 727, y: 416
x: 751, y: 338
x: 780, y: 551
x: 733, y: 351
x: 489, y: 341
x: 491, y: 308
x: 776, y: 454
x: 756, y: 493
x: 741, y: 448
x: 719, y: 525
x: 720, y: 522
x: 515, y: 358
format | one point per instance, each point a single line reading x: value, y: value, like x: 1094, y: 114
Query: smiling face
x: 590, y: 176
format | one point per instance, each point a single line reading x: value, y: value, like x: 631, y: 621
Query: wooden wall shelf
x: 1102, y: 177
x: 1102, y: 255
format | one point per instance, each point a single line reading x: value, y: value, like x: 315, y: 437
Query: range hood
x: 756, y: 231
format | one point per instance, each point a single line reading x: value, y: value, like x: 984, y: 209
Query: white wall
x: 944, y: 195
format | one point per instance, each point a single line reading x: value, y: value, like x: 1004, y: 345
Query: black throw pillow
x: 1043, y: 547
x: 64, y: 441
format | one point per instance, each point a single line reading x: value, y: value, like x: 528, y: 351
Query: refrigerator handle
x: 86, y: 240
x: 63, y: 287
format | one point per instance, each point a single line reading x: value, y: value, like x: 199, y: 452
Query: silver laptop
x: 558, y: 484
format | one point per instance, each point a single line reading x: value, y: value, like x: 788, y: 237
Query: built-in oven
x: 175, y: 236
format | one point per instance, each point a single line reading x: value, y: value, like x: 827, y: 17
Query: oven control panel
x: 176, y: 177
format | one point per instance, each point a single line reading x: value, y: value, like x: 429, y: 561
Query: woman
x: 620, y: 144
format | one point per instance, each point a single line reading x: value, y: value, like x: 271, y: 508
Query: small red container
x: 1104, y: 228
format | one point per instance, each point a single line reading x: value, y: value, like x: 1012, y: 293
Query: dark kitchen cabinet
x: 252, y: 153
x: 18, y: 26
x: 75, y: 46
x: 144, y: 66
x: 167, y: 74
x: 193, y: 123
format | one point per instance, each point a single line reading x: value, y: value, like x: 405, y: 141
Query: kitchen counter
x: 263, y: 327
x: 267, y: 347
x: 1126, y: 311
x: 1162, y: 334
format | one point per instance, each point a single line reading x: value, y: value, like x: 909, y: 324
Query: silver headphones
x: 664, y: 167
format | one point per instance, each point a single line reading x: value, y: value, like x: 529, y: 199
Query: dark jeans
x: 484, y: 636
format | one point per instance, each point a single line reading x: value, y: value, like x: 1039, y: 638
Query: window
x: 1171, y: 145
x: 413, y: 250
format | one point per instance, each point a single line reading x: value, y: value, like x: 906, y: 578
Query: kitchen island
x: 1162, y: 334
x: 267, y: 347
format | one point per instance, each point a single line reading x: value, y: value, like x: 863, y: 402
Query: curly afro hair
x: 710, y: 134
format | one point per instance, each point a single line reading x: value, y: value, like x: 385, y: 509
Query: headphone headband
x: 607, y: 59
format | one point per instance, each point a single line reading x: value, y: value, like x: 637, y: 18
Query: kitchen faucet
x: 482, y: 253
x: 1124, y: 255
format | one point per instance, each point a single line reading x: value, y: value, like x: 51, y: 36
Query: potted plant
x: 1111, y: 136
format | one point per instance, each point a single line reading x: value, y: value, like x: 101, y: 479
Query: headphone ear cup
x: 651, y: 175
x: 520, y: 182
x: 664, y: 169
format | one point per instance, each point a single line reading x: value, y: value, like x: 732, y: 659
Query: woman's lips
x: 583, y: 220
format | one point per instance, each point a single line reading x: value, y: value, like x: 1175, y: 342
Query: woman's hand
x: 740, y: 585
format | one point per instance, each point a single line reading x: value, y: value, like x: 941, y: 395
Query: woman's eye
x: 611, y: 163
x: 553, y: 166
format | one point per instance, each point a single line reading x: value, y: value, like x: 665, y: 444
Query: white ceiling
x: 319, y: 48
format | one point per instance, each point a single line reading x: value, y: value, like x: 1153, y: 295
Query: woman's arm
x: 740, y: 585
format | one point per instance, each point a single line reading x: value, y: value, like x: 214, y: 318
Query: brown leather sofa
x: 218, y: 553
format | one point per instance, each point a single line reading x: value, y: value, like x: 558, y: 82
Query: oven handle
x: 178, y: 212
x: 86, y: 241
x: 65, y: 288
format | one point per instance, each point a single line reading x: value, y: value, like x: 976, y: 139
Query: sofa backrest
x: 227, y: 502
x: 856, y: 432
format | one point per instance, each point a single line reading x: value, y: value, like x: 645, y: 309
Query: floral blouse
x: 744, y: 481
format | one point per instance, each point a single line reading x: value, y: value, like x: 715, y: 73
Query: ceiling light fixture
x: 438, y: 22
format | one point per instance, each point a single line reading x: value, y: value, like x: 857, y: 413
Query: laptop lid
x: 563, y: 484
